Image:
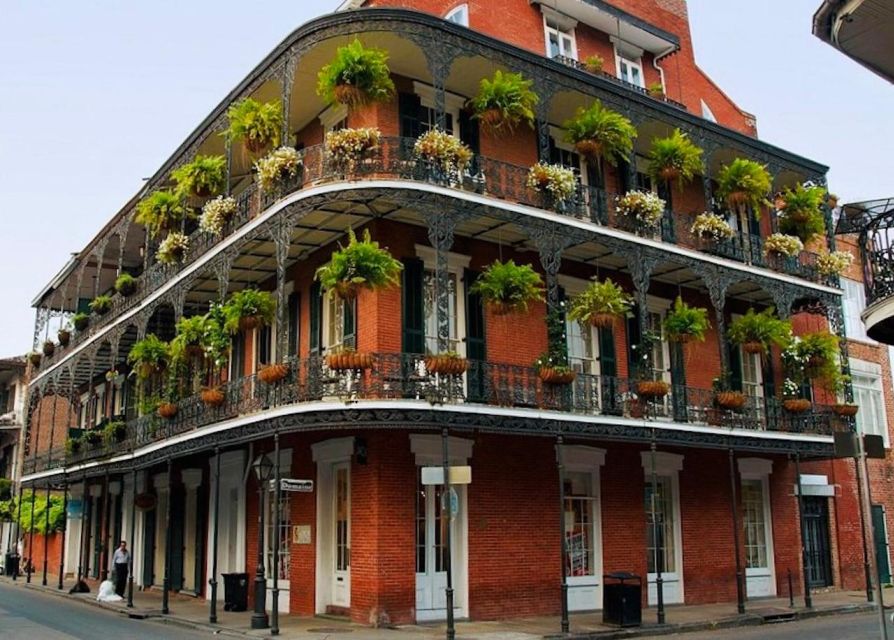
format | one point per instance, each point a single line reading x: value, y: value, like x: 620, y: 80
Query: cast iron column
x: 133, y: 525
x: 103, y: 533
x: 259, y: 618
x: 808, y: 601
x: 563, y: 550
x: 277, y: 496
x: 734, y: 501
x: 448, y: 523
x: 659, y: 580
x: 166, y: 586
x: 212, y: 616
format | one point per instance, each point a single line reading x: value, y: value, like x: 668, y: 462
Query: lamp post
x: 263, y: 467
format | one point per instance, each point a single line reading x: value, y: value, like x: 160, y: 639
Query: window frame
x: 456, y: 265
x: 621, y: 58
x: 561, y: 28
x: 453, y: 104
x: 853, y: 301
x: 873, y: 372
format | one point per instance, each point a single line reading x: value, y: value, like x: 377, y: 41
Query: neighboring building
x: 647, y: 484
x: 13, y: 389
x: 862, y: 29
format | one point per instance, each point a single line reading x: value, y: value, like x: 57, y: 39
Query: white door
x: 582, y: 557
x: 758, y: 534
x: 341, y: 538
x: 583, y: 356
x: 664, y: 544
x: 753, y: 383
x: 660, y: 358
x: 431, y: 550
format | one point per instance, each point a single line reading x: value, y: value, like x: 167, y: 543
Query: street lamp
x: 263, y: 468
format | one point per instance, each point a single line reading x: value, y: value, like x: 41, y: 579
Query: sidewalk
x: 193, y: 612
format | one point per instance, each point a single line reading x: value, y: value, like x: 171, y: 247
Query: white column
x: 231, y: 533
x: 162, y: 488
x: 136, y: 545
x: 73, y: 537
x: 192, y: 479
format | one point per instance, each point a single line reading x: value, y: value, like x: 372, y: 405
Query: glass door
x: 663, y: 540
x: 341, y: 512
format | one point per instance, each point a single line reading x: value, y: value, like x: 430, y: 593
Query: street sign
x: 292, y: 484
x: 457, y: 475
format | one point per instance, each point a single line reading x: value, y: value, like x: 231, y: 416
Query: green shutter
x: 678, y: 381
x: 316, y: 319
x: 608, y: 370
x: 413, y: 314
x: 469, y: 132
x: 633, y: 340
x: 294, y: 315
x: 735, y: 366
x: 476, y: 335
x: 409, y: 107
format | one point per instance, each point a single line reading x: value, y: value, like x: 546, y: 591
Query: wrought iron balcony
x: 407, y: 377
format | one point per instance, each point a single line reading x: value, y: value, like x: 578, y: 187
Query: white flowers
x: 833, y: 264
x: 708, y: 226
x: 346, y: 146
x: 554, y: 179
x: 277, y: 167
x: 790, y: 388
x: 444, y: 151
x: 784, y: 245
x: 216, y: 214
x: 173, y: 248
x: 645, y: 208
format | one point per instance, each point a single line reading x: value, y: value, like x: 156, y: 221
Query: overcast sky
x: 96, y: 94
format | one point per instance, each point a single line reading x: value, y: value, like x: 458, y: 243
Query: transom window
x: 559, y: 40
x: 631, y: 71
x: 459, y: 15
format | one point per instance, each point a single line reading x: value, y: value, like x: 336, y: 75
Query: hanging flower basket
x: 732, y: 400
x: 35, y: 359
x: 557, y: 375
x: 753, y: 347
x: 345, y: 290
x: 64, y: 336
x: 273, y: 373
x: 796, y: 405
x: 652, y: 388
x: 144, y: 501
x: 349, y: 94
x: 603, y: 320
x: 248, y: 323
x: 588, y: 148
x: 49, y: 348
x: 446, y: 364
x: 167, y: 410
x: 845, y: 410
x: 349, y: 361
x: 669, y: 173
x: 213, y: 397
x: 735, y: 198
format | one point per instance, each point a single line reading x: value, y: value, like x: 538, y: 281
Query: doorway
x: 880, y: 539
x: 818, y: 549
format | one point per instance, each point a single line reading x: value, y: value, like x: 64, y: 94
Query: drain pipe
x: 655, y: 59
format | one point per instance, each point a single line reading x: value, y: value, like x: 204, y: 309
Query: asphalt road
x: 862, y: 626
x: 27, y: 614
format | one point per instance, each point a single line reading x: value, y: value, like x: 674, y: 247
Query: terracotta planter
x: 669, y: 173
x: 349, y: 360
x: 49, y: 348
x: 588, y: 148
x: 64, y: 337
x: 346, y: 290
x: 446, y: 365
x: 491, y: 118
x: 732, y: 400
x: 349, y: 94
x: 35, y: 359
x: 250, y: 322
x: 845, y: 410
x: 603, y: 320
x: 556, y: 376
x: 213, y: 397
x: 652, y: 388
x: 255, y: 147
x: 167, y: 410
x: 753, y: 347
x: 796, y: 405
x: 273, y: 373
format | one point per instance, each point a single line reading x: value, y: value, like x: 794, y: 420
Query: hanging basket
x: 680, y: 338
x: 845, y: 410
x: 64, y: 337
x: 49, y: 348
x: 796, y: 405
x: 446, y: 365
x: 194, y: 351
x: 732, y: 400
x: 213, y: 397
x: 167, y: 410
x: 491, y: 118
x: 349, y: 94
x: 273, y: 373
x: 553, y: 376
x: 588, y: 148
x: 349, y: 361
x: 347, y: 291
x: 669, y: 173
x: 652, y: 388
x: 35, y: 359
x: 255, y: 147
x: 736, y: 198
x: 248, y: 323
x: 603, y: 320
x: 798, y: 216
x: 753, y: 347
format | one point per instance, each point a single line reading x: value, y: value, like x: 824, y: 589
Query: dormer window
x: 459, y: 15
x: 559, y: 34
x: 631, y: 71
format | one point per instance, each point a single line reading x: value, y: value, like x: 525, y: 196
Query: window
x: 285, y: 529
x: 854, y: 304
x: 755, y: 524
x: 459, y: 15
x: 338, y: 323
x: 866, y: 378
x: 581, y: 554
x: 335, y: 118
x: 430, y: 541
x: 427, y: 118
x: 631, y: 71
x: 559, y: 40
x: 429, y: 304
x: 660, y: 511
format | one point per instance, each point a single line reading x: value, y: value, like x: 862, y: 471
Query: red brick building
x: 569, y: 482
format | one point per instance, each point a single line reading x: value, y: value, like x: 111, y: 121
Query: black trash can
x: 235, y: 591
x: 622, y: 603
x: 11, y: 564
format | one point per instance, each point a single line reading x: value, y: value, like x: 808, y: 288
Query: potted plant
x: 816, y: 354
x: 506, y: 287
x: 217, y: 214
x: 173, y: 248
x: 101, y: 304
x: 504, y: 102
x: 167, y: 410
x: 347, y: 359
x: 447, y: 363
x: 684, y: 323
x: 361, y: 263
x: 643, y: 209
x: 73, y: 445
x: 35, y: 358
x: 782, y: 245
x: 273, y: 373
x: 277, y: 168
x: 161, y: 211
x: 711, y: 229
x: 594, y: 64
x: 601, y: 304
x: 656, y: 90
x: 212, y: 396
x: 115, y: 431
x: 64, y: 337
x: 443, y: 153
x: 755, y: 332
x: 802, y: 215
x: 126, y: 285
x: 93, y: 437
x: 791, y: 401
x: 553, y: 180
x: 215, y: 342
x: 248, y: 309
x: 80, y: 320
x: 652, y: 389
x: 357, y: 76
x: 257, y: 125
x: 725, y: 397
x: 148, y: 356
x: 675, y: 158
x: 833, y: 264
x: 600, y: 134
x: 188, y: 343
x: 744, y: 183
x: 845, y: 409
x: 49, y: 348
x: 347, y: 147
x: 552, y: 368
x: 204, y: 177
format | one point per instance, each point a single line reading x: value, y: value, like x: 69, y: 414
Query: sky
x: 96, y: 94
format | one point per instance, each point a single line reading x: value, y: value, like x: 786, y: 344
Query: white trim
x: 332, y: 116
x: 456, y: 262
x: 460, y: 9
x: 865, y: 367
x: 452, y: 102
x: 333, y: 450
x: 564, y: 27
x: 627, y: 50
x: 313, y: 192
x: 428, y: 449
x: 754, y: 468
x: 583, y: 457
x: 665, y: 463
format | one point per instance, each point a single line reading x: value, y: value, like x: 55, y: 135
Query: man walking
x: 121, y: 560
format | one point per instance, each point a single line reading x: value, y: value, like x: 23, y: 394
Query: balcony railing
x: 406, y: 376
x: 395, y: 159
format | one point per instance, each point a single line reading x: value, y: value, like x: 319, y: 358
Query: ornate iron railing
x: 407, y: 376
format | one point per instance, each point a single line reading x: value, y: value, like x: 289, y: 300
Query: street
x: 27, y: 613
x: 863, y: 626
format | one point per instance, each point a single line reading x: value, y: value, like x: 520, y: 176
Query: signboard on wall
x: 75, y: 509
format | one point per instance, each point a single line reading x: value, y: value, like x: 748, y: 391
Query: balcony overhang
x: 862, y: 29
x: 627, y: 29
x: 879, y: 320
